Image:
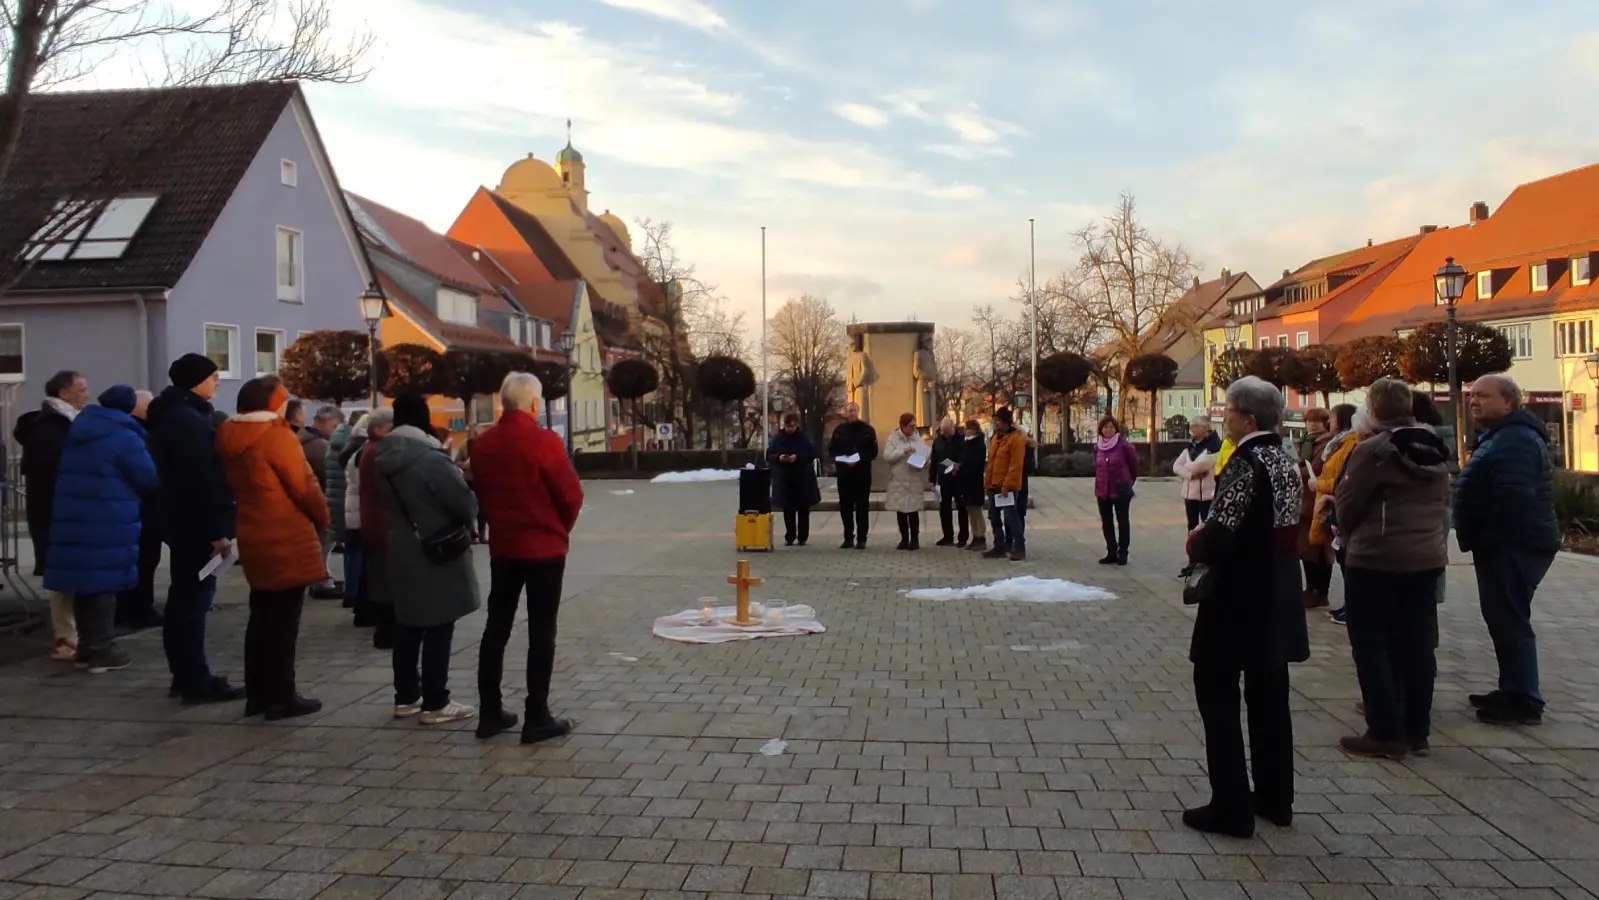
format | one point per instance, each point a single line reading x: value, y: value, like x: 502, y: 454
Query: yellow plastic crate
x: 752, y: 531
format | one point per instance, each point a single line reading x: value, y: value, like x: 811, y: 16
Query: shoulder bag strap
x: 404, y: 510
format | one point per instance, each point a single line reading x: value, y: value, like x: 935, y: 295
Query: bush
x: 654, y: 462
x: 1576, y: 506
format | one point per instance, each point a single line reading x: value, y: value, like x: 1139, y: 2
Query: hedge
x: 654, y: 462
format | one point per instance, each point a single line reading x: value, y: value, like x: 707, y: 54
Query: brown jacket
x: 1391, y: 500
x: 1007, y: 455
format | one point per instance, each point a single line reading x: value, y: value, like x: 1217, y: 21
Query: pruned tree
x: 1314, y: 370
x: 1479, y: 350
x: 1151, y: 373
x: 1230, y: 365
x: 725, y: 380
x: 411, y: 369
x: 327, y: 365
x: 472, y: 373
x: 51, y: 43
x: 806, y: 345
x: 1063, y: 374
x: 629, y: 380
x: 1272, y: 364
x: 1364, y: 360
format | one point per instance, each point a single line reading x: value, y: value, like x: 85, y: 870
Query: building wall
x: 233, y: 279
x: 95, y: 335
x: 578, y: 241
x: 587, y: 402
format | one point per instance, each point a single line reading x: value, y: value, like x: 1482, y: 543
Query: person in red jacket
x: 530, y: 497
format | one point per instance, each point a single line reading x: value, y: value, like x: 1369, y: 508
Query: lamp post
x: 1591, y: 363
x: 567, y: 342
x: 372, y: 308
x: 1032, y: 314
x: 766, y: 382
x: 1449, y: 283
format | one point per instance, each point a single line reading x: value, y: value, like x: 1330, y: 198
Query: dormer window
x: 1581, y: 270
x: 1540, y: 276
x: 1485, y: 284
x: 457, y: 307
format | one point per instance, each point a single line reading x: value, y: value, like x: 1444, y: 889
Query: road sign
x: 664, y: 431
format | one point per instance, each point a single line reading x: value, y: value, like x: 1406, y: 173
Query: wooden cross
x: 743, y: 581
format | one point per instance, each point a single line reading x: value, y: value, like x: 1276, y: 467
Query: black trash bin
x: 755, y: 491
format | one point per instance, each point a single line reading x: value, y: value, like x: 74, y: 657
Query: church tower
x: 569, y: 165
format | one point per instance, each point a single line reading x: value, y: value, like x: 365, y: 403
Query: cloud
x: 839, y: 286
x: 862, y: 114
x: 691, y: 13
x: 966, y: 152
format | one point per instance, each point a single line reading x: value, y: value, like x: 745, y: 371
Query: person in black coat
x: 853, y: 437
x: 196, y: 513
x: 136, y: 606
x: 1251, y: 622
x: 947, y: 446
x: 41, y: 434
x: 968, y: 480
x: 792, y: 457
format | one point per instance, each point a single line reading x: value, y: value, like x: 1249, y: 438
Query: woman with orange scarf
x: 281, y: 510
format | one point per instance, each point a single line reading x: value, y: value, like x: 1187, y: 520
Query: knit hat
x: 412, y: 410
x: 119, y: 397
x: 1003, y: 414
x: 188, y: 370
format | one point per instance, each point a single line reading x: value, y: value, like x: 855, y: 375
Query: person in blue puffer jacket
x: 106, y: 473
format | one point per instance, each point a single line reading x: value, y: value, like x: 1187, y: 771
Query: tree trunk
x: 632, y: 432
x: 724, y: 447
x: 1154, y: 433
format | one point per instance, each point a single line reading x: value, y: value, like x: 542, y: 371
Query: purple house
x: 152, y: 223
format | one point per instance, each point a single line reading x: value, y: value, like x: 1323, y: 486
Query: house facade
x: 217, y: 226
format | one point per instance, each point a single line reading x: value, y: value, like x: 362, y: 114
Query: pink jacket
x: 1197, y: 477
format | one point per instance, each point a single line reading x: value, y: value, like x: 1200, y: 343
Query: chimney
x: 1479, y: 212
x: 1368, y: 242
x: 1196, y: 282
x: 1428, y: 229
x: 1287, y: 272
x: 1226, y: 274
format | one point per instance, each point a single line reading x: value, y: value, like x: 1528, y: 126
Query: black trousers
x: 1120, y: 508
x: 910, y: 525
x: 428, y: 647
x: 1196, y: 511
x: 1318, y: 576
x: 854, y: 507
x: 139, y: 601
x: 796, y: 524
x: 508, y: 578
x: 1393, y: 630
x: 949, y: 510
x: 270, y: 640
x: 1271, y: 737
x: 188, y: 601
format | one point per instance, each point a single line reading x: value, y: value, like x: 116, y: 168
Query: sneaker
x: 64, y: 650
x: 495, y: 722
x: 1480, y: 701
x: 452, y: 712
x: 407, y: 710
x: 1510, y: 712
x: 1365, y: 745
x: 547, y: 730
x: 996, y: 553
x: 328, y: 591
x: 109, y: 658
x: 216, y: 690
x: 1340, y: 616
x: 299, y: 706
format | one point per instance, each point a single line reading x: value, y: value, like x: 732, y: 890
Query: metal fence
x: 22, y: 607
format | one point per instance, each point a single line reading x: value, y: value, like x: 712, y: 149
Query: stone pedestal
x: 891, y: 348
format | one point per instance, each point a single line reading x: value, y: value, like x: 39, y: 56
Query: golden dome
x: 615, y: 223
x: 531, y: 175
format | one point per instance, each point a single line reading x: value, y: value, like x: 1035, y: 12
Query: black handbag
x: 446, y: 545
x: 1199, y: 582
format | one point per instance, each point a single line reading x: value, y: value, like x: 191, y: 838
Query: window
x: 268, y: 351
x: 1265, y: 342
x: 1302, y: 339
x: 544, y: 336
x: 458, y: 307
x: 1485, y: 284
x: 1520, y: 338
x: 1574, y: 338
x: 291, y: 266
x: 222, y: 348
x: 11, y: 359
x: 1540, y: 277
x: 483, y: 408
x: 90, y: 229
x: 289, y: 173
x: 1581, y: 270
x: 1282, y: 340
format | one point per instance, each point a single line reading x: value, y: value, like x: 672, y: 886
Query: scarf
x: 1108, y: 444
x: 1332, y: 445
x: 61, y: 406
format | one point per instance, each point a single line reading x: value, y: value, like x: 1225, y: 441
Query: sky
x: 895, y: 149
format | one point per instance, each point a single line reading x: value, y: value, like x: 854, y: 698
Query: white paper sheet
x: 1004, y: 499
x: 938, y: 495
x: 918, y: 459
x: 685, y: 626
x: 949, y: 465
x: 850, y: 459
x: 217, y: 565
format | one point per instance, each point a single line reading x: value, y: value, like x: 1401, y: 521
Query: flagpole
x: 766, y: 385
x: 1032, y: 303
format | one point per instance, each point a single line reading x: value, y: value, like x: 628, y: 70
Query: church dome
x: 569, y: 155
x: 616, y: 225
x: 531, y: 175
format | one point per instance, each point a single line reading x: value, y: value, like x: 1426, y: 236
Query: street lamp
x: 1449, y: 283
x: 372, y: 308
x: 567, y: 342
x: 1230, y: 330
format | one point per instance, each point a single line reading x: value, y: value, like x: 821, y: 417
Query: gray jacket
x: 423, y: 492
x: 1392, y: 498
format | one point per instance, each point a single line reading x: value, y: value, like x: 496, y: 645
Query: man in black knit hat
x: 196, y: 510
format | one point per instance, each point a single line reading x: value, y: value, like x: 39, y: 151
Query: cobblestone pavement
x: 951, y: 750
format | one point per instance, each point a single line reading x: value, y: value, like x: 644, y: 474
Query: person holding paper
x: 905, y: 480
x: 1007, y: 458
x: 794, y: 489
x: 852, y: 448
x: 282, y: 514
x: 944, y: 473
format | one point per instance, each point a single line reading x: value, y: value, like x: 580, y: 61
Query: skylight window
x: 75, y: 231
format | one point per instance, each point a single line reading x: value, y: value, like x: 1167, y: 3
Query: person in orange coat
x: 281, y: 510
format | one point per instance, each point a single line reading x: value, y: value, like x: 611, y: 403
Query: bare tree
x: 807, y: 345
x: 49, y: 43
x: 955, y: 350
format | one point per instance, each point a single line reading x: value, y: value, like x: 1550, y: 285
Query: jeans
x: 1196, y: 511
x: 796, y: 524
x: 1393, y: 628
x: 1271, y: 738
x: 432, y: 646
x: 188, y: 600
x: 353, y: 561
x: 1016, y: 526
x: 854, y: 507
x: 1506, y: 582
x: 1120, y: 507
x: 542, y: 580
x: 270, y: 639
x: 139, y: 601
x: 96, y: 614
x: 949, y: 510
x: 996, y: 522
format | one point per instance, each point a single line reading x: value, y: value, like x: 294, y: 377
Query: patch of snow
x: 623, y: 657
x: 1047, y: 648
x: 1021, y: 589
x: 698, y: 475
x: 774, y: 747
x: 622, y: 493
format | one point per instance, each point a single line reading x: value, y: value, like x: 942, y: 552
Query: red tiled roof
x: 1193, y: 307
x: 452, y: 335
x: 408, y: 238
x: 1358, y: 263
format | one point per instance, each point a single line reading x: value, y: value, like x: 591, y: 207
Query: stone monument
x: 891, y: 372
